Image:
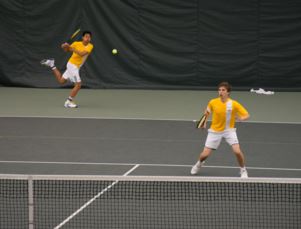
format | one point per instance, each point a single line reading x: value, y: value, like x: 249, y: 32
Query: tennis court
x: 160, y: 147
x: 34, y: 143
x: 99, y: 103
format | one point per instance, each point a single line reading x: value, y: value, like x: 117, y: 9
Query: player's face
x: 223, y: 92
x: 87, y: 38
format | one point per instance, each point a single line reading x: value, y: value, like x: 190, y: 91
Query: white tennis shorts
x: 214, y: 138
x: 72, y: 73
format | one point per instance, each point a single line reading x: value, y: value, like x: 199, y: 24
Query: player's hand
x: 65, y: 46
x: 204, y: 125
x: 242, y: 118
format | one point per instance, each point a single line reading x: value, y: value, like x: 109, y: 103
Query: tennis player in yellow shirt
x: 80, y: 51
x: 225, y: 112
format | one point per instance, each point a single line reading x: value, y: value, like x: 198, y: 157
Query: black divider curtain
x: 162, y: 44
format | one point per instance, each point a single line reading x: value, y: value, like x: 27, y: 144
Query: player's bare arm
x: 243, y: 118
x: 206, y: 113
x: 67, y: 48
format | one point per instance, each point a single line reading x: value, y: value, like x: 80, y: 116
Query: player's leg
x: 203, y: 156
x: 69, y: 103
x: 231, y: 138
x: 241, y: 160
x: 72, y: 74
x: 58, y: 76
x: 212, y: 142
x: 239, y: 155
x: 75, y: 89
x: 51, y: 63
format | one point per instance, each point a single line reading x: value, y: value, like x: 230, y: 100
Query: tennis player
x: 80, y: 51
x: 225, y: 112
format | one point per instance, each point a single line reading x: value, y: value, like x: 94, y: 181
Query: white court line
x: 93, y: 199
x: 140, y: 119
x: 141, y: 164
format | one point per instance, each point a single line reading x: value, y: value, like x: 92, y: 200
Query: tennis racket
x: 65, y: 46
x: 69, y: 41
x: 202, y: 121
x: 73, y: 36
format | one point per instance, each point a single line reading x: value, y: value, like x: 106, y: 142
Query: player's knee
x: 206, y: 151
x: 238, y: 152
x: 78, y: 85
x: 62, y: 81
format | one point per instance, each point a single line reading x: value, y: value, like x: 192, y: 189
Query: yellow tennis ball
x: 114, y: 51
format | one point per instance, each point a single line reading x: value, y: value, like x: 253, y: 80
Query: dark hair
x: 225, y: 85
x: 87, y: 32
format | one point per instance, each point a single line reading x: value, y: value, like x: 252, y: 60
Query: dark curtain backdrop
x: 162, y: 44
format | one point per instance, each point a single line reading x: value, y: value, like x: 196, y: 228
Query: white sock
x: 199, y: 163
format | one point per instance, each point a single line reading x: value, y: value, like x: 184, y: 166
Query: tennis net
x: 88, y: 202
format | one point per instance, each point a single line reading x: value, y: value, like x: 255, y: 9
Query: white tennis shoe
x: 70, y: 104
x: 196, y: 168
x: 243, y: 173
x: 48, y: 62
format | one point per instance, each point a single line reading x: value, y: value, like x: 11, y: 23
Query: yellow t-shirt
x: 223, y: 114
x: 77, y: 59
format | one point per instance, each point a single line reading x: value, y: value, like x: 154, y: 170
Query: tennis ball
x: 114, y: 51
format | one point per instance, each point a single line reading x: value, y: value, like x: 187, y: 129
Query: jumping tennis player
x: 225, y: 112
x: 80, y: 51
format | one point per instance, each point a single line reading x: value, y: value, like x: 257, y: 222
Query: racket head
x: 73, y: 36
x: 201, y: 122
x: 75, y: 33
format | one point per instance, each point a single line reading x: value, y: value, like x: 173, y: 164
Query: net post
x: 30, y: 203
